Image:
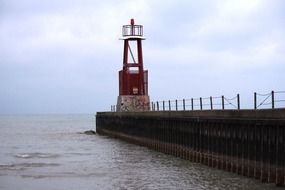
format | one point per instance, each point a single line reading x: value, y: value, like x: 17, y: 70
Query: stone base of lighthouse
x: 133, y: 103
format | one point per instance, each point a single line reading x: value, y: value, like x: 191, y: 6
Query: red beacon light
x: 132, y: 21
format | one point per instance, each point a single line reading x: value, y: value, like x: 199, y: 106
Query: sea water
x: 51, y: 152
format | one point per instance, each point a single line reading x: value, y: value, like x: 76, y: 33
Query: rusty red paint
x: 133, y: 78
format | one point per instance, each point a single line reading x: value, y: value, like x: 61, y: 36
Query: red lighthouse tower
x: 133, y: 81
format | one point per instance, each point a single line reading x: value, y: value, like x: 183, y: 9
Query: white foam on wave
x: 36, y: 155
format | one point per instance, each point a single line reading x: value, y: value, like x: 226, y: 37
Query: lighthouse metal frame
x: 133, y: 79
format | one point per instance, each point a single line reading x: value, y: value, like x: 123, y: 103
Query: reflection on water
x: 51, y: 152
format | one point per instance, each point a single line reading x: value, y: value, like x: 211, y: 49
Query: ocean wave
x: 36, y: 155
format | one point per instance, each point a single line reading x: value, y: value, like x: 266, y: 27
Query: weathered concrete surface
x: 133, y: 103
x: 247, y: 142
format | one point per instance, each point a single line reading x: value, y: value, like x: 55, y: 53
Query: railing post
x: 184, y: 104
x: 169, y: 105
x: 238, y: 102
x: 152, y: 106
x: 211, y: 102
x: 192, y: 103
x: 255, y: 99
x: 163, y: 106
x: 157, y: 103
x: 201, y: 106
x: 223, y: 102
x: 176, y: 105
x: 272, y: 99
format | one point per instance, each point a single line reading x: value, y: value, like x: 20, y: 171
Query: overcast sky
x: 63, y: 56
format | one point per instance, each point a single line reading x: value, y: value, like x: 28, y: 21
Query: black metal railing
x: 272, y: 100
x: 269, y: 100
x: 208, y: 103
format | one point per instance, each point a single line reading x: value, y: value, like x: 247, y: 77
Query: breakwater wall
x: 247, y: 142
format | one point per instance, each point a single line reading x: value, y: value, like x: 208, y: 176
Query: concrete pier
x: 247, y: 142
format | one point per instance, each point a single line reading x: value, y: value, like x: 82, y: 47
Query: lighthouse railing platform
x: 132, y: 30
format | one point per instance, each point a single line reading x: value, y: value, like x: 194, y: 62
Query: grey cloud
x: 63, y: 56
